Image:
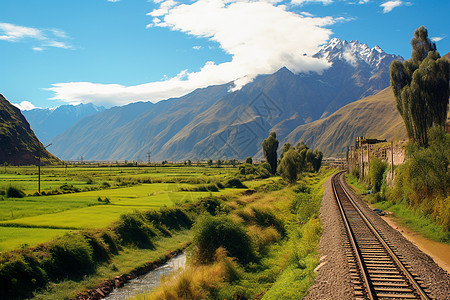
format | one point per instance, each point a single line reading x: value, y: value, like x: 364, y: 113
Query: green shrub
x: 355, y: 172
x: 20, y: 274
x: 68, y: 188
x: 110, y: 239
x: 168, y: 218
x: 235, y: 183
x: 304, y: 206
x: 134, y: 231
x: 212, y: 188
x: 266, y: 218
x: 105, y: 185
x: 211, y: 205
x: 210, y: 233
x: 100, y: 251
x: 13, y: 192
x: 301, y: 188
x: 70, y: 256
x: 2, y: 193
x: 377, y: 170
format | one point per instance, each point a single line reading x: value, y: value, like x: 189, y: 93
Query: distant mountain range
x: 48, y: 123
x: 213, y: 123
x: 18, y: 144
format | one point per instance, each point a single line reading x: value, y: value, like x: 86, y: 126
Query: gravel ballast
x: 333, y: 279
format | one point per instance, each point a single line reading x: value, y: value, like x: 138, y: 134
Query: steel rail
x: 371, y: 293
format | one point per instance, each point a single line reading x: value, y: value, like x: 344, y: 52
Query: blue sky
x: 54, y: 52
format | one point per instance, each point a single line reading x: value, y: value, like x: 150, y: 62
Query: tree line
x: 293, y: 160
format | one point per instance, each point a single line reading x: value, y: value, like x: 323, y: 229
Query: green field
x: 36, y: 219
x: 52, y: 177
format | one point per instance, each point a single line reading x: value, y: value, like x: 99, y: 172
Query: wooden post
x: 368, y: 159
x: 361, y: 150
x: 39, y: 171
x: 392, y: 160
x: 39, y: 167
x: 348, y: 168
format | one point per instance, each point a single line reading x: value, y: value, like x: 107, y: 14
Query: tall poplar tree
x: 421, y: 87
x: 270, y: 147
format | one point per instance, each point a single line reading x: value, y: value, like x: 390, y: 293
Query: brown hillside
x: 374, y: 117
x: 18, y: 144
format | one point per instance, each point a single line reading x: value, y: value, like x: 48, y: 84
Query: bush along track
x: 74, y: 256
x: 263, y: 245
x: 418, y: 191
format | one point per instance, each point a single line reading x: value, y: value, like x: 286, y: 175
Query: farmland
x: 70, y: 197
x: 95, y: 222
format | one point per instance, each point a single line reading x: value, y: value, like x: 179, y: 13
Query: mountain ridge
x: 229, y: 124
x: 48, y: 123
x: 375, y: 116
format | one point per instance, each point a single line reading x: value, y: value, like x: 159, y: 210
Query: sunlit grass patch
x: 15, y: 237
x: 12, y: 208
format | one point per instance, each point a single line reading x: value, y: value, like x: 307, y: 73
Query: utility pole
x: 148, y: 157
x: 368, y: 158
x: 39, y: 167
x: 361, y: 151
x: 392, y: 160
x: 348, y: 168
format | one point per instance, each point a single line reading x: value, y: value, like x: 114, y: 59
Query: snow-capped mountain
x: 356, y: 53
x: 212, y: 122
x: 49, y: 122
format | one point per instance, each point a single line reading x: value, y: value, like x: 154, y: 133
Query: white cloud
x: 113, y: 0
x: 14, y: 33
x: 350, y: 57
x: 390, y: 5
x: 197, y: 47
x: 437, y: 38
x: 45, y: 37
x: 57, y: 44
x: 301, y: 2
x: 24, y: 105
x: 163, y: 9
x: 261, y: 37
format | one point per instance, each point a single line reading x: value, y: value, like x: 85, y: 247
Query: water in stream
x: 146, y: 283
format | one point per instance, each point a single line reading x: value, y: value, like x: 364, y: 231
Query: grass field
x: 91, y: 176
x: 37, y: 219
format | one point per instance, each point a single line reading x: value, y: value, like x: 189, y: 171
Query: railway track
x: 377, y: 271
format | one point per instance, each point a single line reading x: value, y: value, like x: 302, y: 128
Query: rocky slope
x: 18, y: 143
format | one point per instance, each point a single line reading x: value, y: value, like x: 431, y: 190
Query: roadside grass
x: 358, y: 187
x: 15, y: 237
x: 285, y: 230
x: 413, y: 220
x: 123, y: 263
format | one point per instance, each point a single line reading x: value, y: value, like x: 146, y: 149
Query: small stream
x: 150, y: 281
